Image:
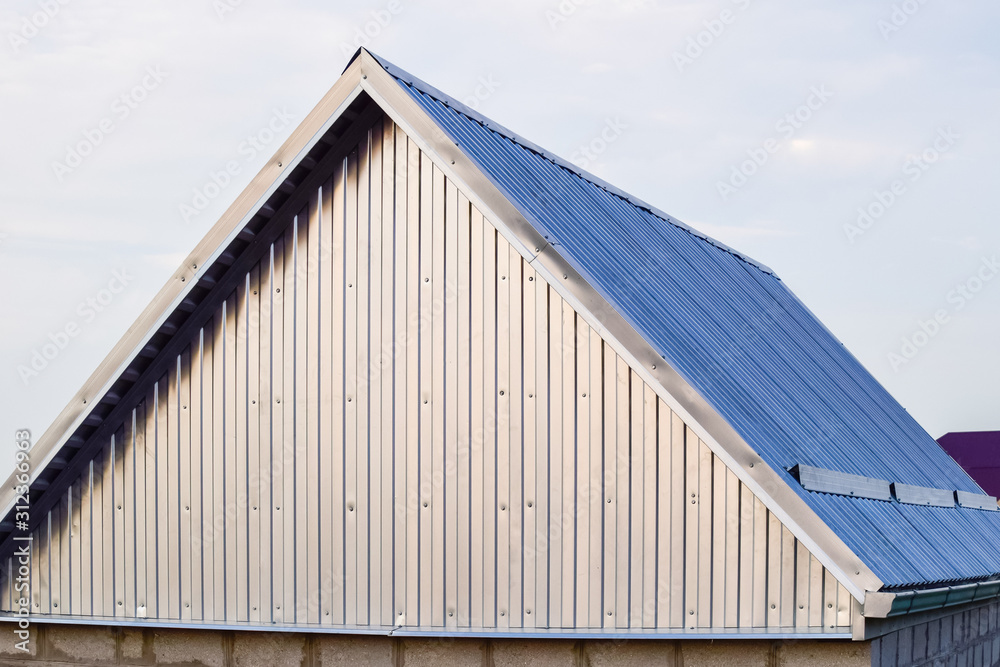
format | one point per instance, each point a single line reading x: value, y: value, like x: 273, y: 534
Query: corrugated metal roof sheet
x: 736, y: 333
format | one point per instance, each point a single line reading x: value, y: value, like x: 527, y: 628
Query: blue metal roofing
x: 736, y: 333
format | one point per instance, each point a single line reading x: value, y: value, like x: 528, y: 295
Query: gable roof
x: 741, y: 338
x: 745, y: 359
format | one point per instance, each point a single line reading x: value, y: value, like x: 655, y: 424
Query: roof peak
x: 447, y: 100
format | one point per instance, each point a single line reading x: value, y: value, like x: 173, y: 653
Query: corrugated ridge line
x: 432, y: 92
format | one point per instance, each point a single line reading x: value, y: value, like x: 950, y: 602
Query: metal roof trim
x: 977, y: 501
x: 841, y: 483
x: 444, y: 98
x: 439, y: 632
x: 922, y: 495
x: 886, y: 604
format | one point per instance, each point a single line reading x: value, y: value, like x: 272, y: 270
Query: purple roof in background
x: 979, y: 453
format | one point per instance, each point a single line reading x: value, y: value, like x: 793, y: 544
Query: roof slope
x: 736, y: 333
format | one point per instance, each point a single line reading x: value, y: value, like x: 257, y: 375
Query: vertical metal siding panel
x: 195, y: 477
x: 732, y: 561
x: 649, y: 508
x: 325, y: 443
x: 232, y: 566
x: 595, y: 484
x: 815, y: 604
x: 637, y: 465
x: 386, y: 361
x: 774, y: 607
x: 168, y: 492
x: 514, y: 468
x: 165, y: 604
x: 108, y: 500
x: 289, y: 444
x: 772, y: 573
x: 37, y: 576
x: 153, y: 501
x: 503, y: 422
x: 692, y: 564
x: 269, y: 473
x: 402, y: 501
x: 542, y: 416
x: 128, y: 497
x: 463, y: 400
x: 119, y: 533
x: 362, y: 442
x: 215, y: 454
x: 337, y: 400
x: 44, y: 566
x: 278, y: 296
x: 65, y: 564
x: 664, y: 494
x: 255, y: 478
x: 414, y: 399
x: 556, y: 448
x: 801, y: 593
x: 352, y: 445
x: 845, y: 606
x: 238, y: 464
x: 436, y: 371
x: 705, y: 498
x: 678, y: 517
x: 425, y: 432
x: 185, y: 486
x: 623, y: 455
x: 582, y: 475
x: 747, y: 599
x: 568, y: 452
x: 786, y: 569
x: 77, y: 540
x: 719, y: 574
x: 371, y: 379
x: 207, y: 519
x: 490, y: 444
x: 760, y: 557
x: 609, y: 393
x: 451, y: 387
x: 313, y: 359
x: 829, y: 599
x: 87, y: 535
x: 532, y: 408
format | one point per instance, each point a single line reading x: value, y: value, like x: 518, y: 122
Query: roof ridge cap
x: 433, y: 92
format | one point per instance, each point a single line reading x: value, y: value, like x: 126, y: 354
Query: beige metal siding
x: 394, y: 420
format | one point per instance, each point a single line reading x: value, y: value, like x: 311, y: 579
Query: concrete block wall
x: 967, y: 638
x: 72, y: 646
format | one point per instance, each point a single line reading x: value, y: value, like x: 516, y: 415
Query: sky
x: 850, y: 146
